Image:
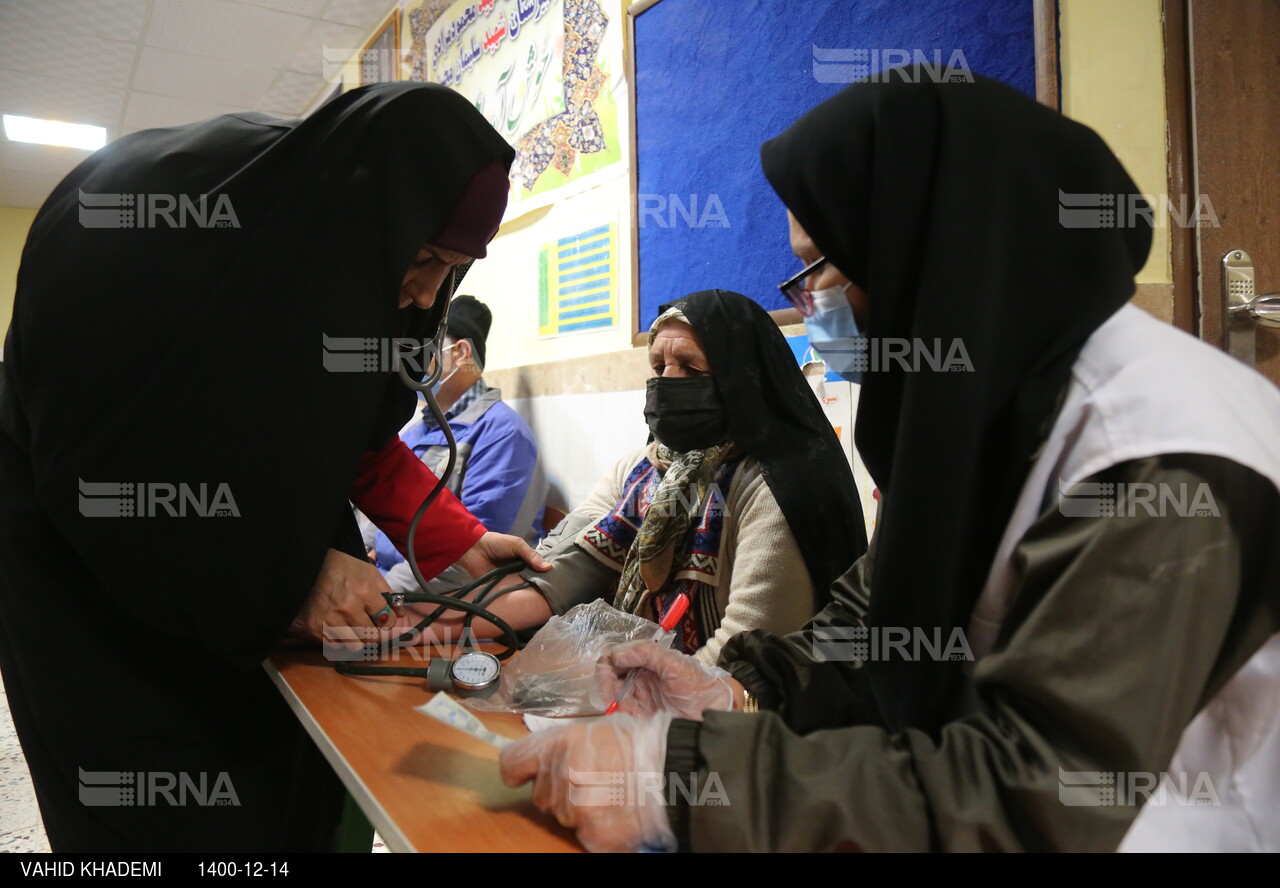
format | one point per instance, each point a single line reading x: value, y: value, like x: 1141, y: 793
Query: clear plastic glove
x: 556, y: 673
x: 602, y: 779
x: 668, y: 681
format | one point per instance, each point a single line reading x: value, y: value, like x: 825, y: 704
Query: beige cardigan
x: 762, y: 583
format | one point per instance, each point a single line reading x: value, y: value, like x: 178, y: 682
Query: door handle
x: 1246, y: 310
x: 1263, y: 309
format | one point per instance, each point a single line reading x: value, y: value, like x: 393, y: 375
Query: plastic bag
x: 555, y: 674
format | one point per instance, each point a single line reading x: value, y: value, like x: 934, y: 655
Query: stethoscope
x: 473, y: 672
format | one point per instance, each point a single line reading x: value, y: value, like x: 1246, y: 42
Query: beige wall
x: 14, y: 223
x: 507, y: 280
x: 1112, y: 57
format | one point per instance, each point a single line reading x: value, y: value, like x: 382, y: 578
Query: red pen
x: 669, y: 620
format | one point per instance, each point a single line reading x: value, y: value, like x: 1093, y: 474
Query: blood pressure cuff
x: 576, y: 577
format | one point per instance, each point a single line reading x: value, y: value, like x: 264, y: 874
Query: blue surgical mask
x: 834, y: 334
x: 435, y: 387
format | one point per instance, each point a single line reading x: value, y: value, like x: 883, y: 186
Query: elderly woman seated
x: 743, y: 500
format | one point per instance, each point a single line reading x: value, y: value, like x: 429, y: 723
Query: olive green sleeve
x: 796, y: 676
x: 1122, y: 628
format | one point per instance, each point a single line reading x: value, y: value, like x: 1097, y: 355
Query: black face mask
x: 684, y: 413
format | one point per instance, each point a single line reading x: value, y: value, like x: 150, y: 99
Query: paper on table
x: 444, y: 708
x: 542, y: 722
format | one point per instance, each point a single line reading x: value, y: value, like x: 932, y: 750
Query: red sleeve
x: 390, y: 485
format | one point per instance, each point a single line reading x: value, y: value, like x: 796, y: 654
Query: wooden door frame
x: 1181, y: 161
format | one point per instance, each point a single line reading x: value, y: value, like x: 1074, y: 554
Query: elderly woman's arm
x: 575, y: 576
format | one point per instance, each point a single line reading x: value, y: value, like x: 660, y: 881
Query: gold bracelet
x: 749, y: 702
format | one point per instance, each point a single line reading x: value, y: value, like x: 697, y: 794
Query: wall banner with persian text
x: 547, y: 74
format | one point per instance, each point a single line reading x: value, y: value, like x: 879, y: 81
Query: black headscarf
x: 773, y: 416
x: 195, y: 355
x: 941, y: 201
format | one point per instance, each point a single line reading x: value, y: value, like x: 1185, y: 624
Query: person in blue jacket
x: 497, y: 475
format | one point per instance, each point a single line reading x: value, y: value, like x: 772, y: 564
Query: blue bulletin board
x: 714, y: 80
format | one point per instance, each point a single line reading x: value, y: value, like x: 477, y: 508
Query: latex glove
x: 668, y: 681
x: 575, y: 772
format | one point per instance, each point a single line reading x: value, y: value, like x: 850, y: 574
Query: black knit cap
x: 469, y: 318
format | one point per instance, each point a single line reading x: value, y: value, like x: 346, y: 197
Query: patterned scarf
x: 676, y: 505
x: 693, y: 562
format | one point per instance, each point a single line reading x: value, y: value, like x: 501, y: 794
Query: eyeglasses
x: 796, y: 292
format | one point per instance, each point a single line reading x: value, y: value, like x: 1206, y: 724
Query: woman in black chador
x: 200, y: 354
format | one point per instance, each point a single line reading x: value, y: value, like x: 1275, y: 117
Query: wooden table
x: 423, y: 785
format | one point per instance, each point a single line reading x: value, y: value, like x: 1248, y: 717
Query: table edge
x: 391, y: 834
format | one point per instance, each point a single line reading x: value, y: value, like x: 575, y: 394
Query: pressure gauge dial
x: 474, y: 670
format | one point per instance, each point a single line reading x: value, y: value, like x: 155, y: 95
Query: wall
x: 1112, y: 59
x: 14, y: 224
x: 507, y: 279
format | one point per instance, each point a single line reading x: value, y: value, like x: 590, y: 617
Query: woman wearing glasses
x: 1093, y: 504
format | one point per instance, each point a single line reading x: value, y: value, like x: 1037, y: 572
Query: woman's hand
x: 521, y: 609
x: 494, y: 548
x: 667, y: 681
x: 348, y: 594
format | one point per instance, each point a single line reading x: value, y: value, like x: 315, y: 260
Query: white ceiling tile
x: 310, y: 8
x: 364, y: 14
x: 56, y: 99
x: 292, y: 94
x: 147, y: 110
x: 113, y: 19
x: 227, y: 30
x: 203, y: 79
x: 327, y: 45
x: 55, y: 53
x: 137, y: 64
